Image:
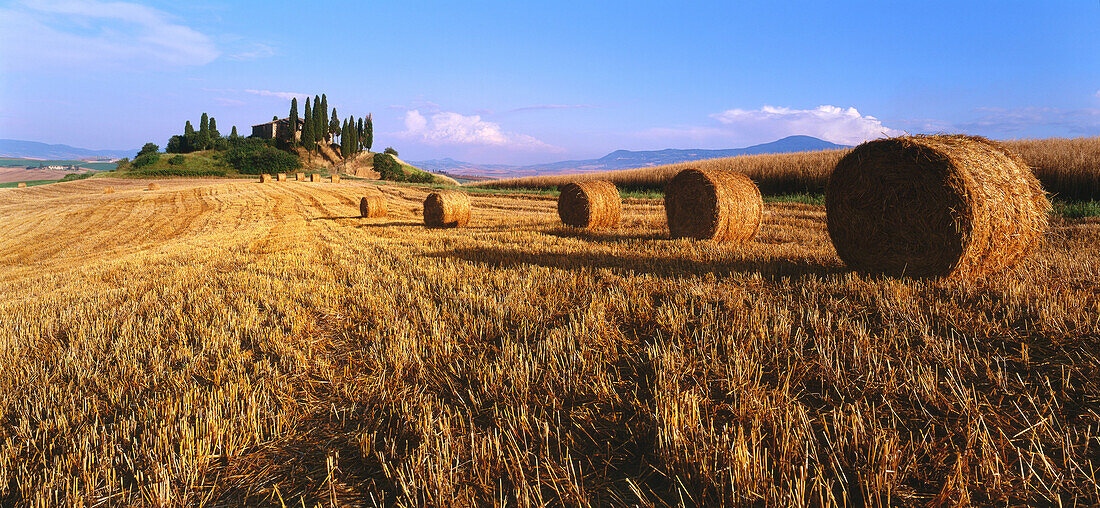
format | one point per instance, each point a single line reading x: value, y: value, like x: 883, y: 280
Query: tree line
x: 206, y: 138
x: 355, y: 134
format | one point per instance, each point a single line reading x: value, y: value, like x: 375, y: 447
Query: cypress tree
x: 214, y: 134
x: 189, y: 138
x: 326, y: 131
x: 307, y: 128
x: 334, y: 124
x: 358, y: 135
x: 204, y: 132
x: 369, y: 134
x: 293, y: 119
x: 346, y: 139
x: 233, y: 134
x: 318, y: 132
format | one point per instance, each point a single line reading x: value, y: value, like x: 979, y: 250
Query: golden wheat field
x: 219, y: 343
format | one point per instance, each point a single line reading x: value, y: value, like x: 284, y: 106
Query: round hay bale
x: 108, y: 190
x: 154, y: 186
x: 934, y: 206
x: 301, y: 177
x: 334, y: 178
x: 446, y: 209
x: 281, y: 177
x: 590, y: 204
x: 713, y: 204
x: 265, y: 178
x: 315, y: 177
x: 373, y: 205
x: 21, y: 185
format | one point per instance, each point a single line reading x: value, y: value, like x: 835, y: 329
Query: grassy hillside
x: 394, y: 169
x: 195, y: 164
x: 232, y: 343
x: 1068, y: 168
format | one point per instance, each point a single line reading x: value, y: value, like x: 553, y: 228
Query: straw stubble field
x: 220, y: 343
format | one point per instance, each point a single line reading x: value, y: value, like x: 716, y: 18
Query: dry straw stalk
x: 447, y: 209
x: 373, y: 205
x: 108, y: 190
x: 713, y: 204
x: 932, y: 206
x: 590, y: 204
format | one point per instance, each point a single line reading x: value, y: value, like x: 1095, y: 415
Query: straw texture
x: 934, y: 206
x: 301, y: 177
x: 154, y: 186
x: 334, y: 178
x: 315, y: 177
x: 592, y: 205
x: 281, y: 177
x: 265, y: 178
x: 712, y: 204
x: 21, y: 185
x: 446, y: 209
x: 373, y: 206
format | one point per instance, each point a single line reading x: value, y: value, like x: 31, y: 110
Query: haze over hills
x: 20, y: 149
x: 624, y: 159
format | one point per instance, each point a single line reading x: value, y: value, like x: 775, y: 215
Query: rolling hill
x: 34, y: 150
x: 625, y: 159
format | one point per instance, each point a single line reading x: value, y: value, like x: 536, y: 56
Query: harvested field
x: 223, y: 343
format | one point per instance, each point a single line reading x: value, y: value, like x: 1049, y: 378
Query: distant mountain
x: 625, y: 159
x: 18, y: 149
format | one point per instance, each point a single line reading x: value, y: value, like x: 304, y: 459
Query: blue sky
x: 527, y: 82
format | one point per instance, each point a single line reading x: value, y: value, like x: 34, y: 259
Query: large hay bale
x: 108, y: 190
x: 590, y: 204
x: 21, y: 185
x: 154, y: 186
x: 265, y: 178
x: 373, y: 205
x: 334, y: 178
x: 315, y: 177
x: 281, y: 177
x: 933, y: 206
x: 446, y: 209
x: 301, y: 177
x: 713, y: 204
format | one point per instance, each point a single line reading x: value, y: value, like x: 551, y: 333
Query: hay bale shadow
x: 773, y: 268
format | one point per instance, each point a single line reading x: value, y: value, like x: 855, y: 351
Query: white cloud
x: 281, y: 95
x: 253, y: 52
x: 69, y: 34
x: 449, y: 128
x: 831, y: 123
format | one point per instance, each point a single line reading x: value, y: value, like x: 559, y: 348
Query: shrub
x: 177, y: 160
x: 253, y: 157
x: 123, y: 164
x: 389, y: 150
x: 146, y: 160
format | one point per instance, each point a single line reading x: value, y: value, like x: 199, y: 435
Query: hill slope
x: 627, y: 159
x: 35, y: 150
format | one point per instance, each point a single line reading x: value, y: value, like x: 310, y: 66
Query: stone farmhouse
x: 277, y: 129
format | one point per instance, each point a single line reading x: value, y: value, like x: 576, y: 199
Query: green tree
x: 318, y: 130
x: 293, y: 119
x: 326, y: 128
x: 391, y: 151
x: 307, y: 128
x: 175, y: 144
x: 148, y: 148
x: 190, y: 138
x: 345, y: 148
x: 214, y: 134
x: 368, y: 127
x: 233, y: 135
x: 358, y: 135
x: 274, y: 118
x: 203, y: 140
x: 334, y: 124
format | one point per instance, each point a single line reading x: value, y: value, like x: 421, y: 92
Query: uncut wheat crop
x: 220, y: 343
